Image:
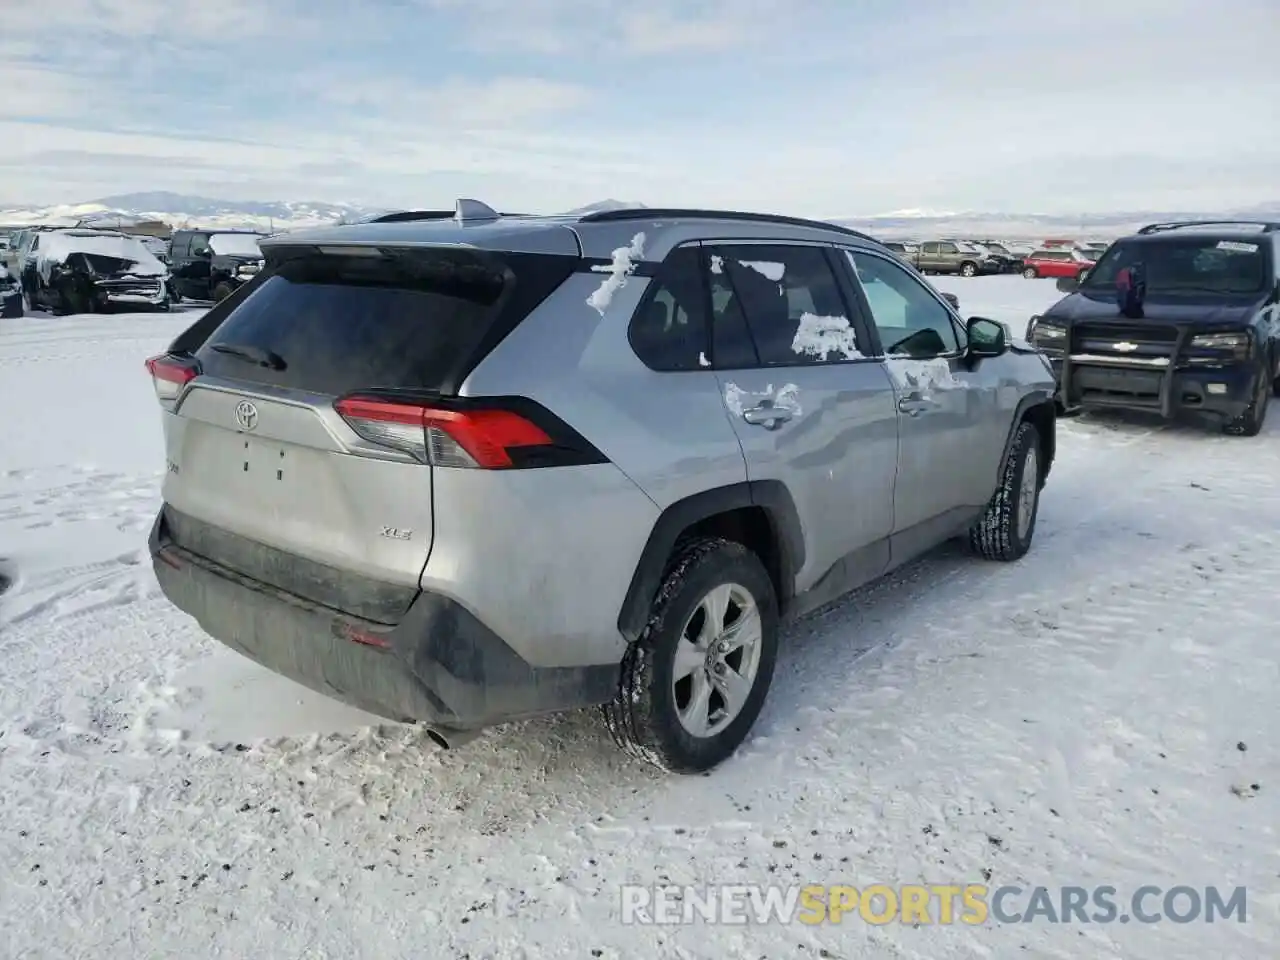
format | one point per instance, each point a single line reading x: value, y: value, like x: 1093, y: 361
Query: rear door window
x: 334, y: 324
x: 790, y: 299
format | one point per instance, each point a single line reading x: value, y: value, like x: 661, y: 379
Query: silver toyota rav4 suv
x: 461, y: 468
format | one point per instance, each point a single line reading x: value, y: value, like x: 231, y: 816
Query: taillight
x: 169, y: 374
x: 473, y: 435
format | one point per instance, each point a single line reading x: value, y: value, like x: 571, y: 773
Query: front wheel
x: 221, y: 292
x: 693, y: 684
x: 1031, y: 273
x: 1009, y: 523
x: 968, y: 269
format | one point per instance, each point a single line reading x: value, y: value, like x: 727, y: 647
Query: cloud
x: 454, y: 103
x: 606, y: 28
x: 814, y: 107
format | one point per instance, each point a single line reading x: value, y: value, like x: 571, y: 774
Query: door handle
x: 766, y: 415
x: 913, y: 404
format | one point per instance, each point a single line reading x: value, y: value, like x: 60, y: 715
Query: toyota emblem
x: 246, y: 415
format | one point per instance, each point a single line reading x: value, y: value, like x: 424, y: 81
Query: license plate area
x: 1118, y: 382
x: 264, y: 462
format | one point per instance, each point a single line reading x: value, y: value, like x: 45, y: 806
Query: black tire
x: 1031, y: 273
x: 643, y: 717
x: 221, y: 292
x: 968, y: 269
x: 1001, y: 533
x: 1249, y: 423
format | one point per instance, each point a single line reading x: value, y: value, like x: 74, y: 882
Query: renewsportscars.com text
x: 944, y: 904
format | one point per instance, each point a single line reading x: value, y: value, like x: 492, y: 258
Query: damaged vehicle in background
x: 93, y: 271
x: 1008, y: 261
x: 158, y: 246
x: 10, y: 295
x: 211, y: 265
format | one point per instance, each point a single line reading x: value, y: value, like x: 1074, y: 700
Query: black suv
x: 1180, y: 317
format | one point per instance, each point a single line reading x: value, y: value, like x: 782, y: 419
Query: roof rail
x: 402, y: 216
x: 1264, y: 226
x: 669, y: 213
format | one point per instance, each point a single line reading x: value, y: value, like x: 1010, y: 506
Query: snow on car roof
x: 56, y: 246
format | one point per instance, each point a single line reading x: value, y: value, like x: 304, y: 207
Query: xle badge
x: 395, y: 533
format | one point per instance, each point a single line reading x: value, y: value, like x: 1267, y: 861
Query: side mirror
x: 986, y: 338
x: 952, y: 299
x: 1068, y: 284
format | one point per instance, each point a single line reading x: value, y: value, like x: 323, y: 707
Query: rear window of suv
x: 332, y: 324
x: 1187, y: 265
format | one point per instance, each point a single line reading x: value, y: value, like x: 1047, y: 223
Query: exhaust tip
x: 438, y: 738
x: 447, y: 739
x: 8, y: 576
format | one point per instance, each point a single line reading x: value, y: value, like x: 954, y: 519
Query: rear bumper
x: 438, y: 665
x: 1223, y: 391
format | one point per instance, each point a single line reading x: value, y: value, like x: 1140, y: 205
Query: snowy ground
x: 1099, y: 713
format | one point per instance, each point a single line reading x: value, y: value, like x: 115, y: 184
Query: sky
x: 825, y: 108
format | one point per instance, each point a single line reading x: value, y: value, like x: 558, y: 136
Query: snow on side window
x: 623, y: 265
x: 770, y: 271
x: 821, y: 336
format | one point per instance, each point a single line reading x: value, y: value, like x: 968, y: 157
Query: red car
x: 1057, y: 263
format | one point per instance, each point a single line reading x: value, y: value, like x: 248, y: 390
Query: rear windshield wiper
x: 259, y: 355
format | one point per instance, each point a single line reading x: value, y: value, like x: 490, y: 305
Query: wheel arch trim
x: 772, y: 496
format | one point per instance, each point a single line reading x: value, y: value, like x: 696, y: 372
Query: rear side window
x: 669, y: 330
x: 419, y: 321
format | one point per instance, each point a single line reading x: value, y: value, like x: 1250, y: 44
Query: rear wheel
x: 694, y: 683
x: 1031, y: 273
x: 968, y: 269
x: 1081, y: 275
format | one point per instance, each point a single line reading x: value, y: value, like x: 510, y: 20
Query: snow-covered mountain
x: 921, y: 223
x: 182, y: 209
